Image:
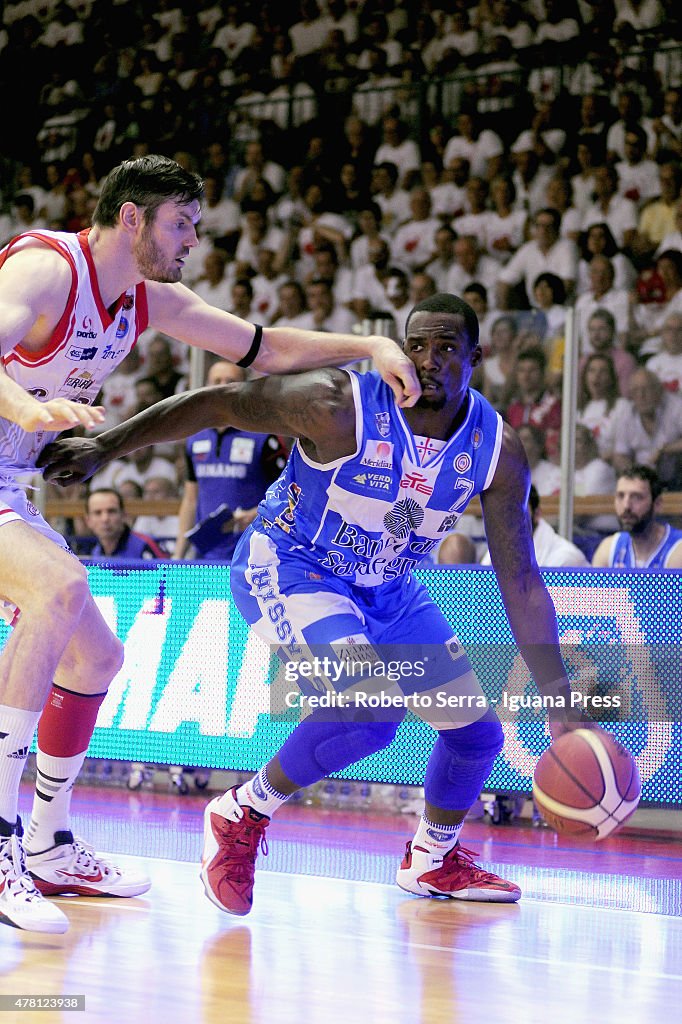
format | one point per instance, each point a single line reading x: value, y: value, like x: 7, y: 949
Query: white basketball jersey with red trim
x: 87, y: 344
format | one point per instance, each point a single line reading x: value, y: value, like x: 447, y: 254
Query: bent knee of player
x: 479, y: 741
x: 61, y: 596
x: 93, y: 656
x: 352, y: 743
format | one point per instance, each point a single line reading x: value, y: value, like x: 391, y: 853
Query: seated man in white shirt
x: 291, y: 310
x: 471, y: 264
x: 638, y: 178
x: 413, y: 244
x: 611, y: 208
x: 546, y: 252
x: 396, y: 148
x: 602, y: 295
x: 325, y: 314
x: 649, y: 431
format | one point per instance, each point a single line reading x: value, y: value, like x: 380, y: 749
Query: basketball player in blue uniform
x: 326, y: 567
x: 643, y: 542
x: 230, y: 468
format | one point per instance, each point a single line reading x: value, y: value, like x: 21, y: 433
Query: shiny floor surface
x: 596, y: 938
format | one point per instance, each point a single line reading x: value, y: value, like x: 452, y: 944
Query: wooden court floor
x: 597, y: 937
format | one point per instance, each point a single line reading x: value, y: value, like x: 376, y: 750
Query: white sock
x: 17, y: 729
x: 260, y: 794
x: 438, y: 839
x: 55, y: 778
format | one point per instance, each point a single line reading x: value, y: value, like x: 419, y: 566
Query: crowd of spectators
x: 361, y: 154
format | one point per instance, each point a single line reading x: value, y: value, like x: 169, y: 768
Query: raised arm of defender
x: 316, y: 407
x: 177, y: 311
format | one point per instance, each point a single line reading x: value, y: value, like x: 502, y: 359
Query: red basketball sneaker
x: 455, y: 876
x: 233, y: 836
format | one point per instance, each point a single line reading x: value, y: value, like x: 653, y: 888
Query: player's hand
x: 566, y: 720
x: 243, y: 517
x: 60, y: 414
x: 397, y: 370
x: 71, y: 460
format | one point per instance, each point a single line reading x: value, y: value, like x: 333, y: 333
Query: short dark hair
x: 25, y: 199
x: 534, y: 354
x: 476, y: 288
x: 105, y: 490
x: 635, y: 129
x: 549, y: 211
x: 390, y: 168
x: 638, y: 471
x: 147, y: 181
x: 556, y: 286
x: 245, y: 283
x: 371, y: 207
x: 444, y: 302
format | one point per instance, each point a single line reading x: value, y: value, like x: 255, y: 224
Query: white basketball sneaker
x: 71, y: 866
x: 454, y: 876
x: 21, y: 905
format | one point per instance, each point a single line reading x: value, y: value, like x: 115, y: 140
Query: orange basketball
x: 586, y: 784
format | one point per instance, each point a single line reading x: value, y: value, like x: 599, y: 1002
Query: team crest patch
x: 201, y: 447
x: 383, y: 422
x: 123, y: 327
x: 242, y: 449
x: 476, y: 437
x: 405, y: 516
x: 378, y: 455
x: 462, y: 462
x: 454, y: 649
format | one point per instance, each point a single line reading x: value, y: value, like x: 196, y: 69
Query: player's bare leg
x: 58, y: 862
x: 50, y: 587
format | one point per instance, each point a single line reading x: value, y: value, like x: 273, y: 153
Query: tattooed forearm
x: 511, y: 543
x: 299, y: 407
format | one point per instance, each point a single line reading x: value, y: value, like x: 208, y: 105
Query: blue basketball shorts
x: 390, y: 646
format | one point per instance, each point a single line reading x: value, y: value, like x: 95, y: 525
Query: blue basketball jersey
x: 623, y: 555
x: 369, y: 518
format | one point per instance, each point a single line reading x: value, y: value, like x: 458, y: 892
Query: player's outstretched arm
x: 286, y: 349
x: 316, y: 407
x: 177, y: 311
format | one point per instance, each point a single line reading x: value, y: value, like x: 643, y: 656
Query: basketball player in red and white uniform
x: 71, y: 308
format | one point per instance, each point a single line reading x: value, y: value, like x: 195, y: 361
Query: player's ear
x: 130, y: 216
x: 476, y: 355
